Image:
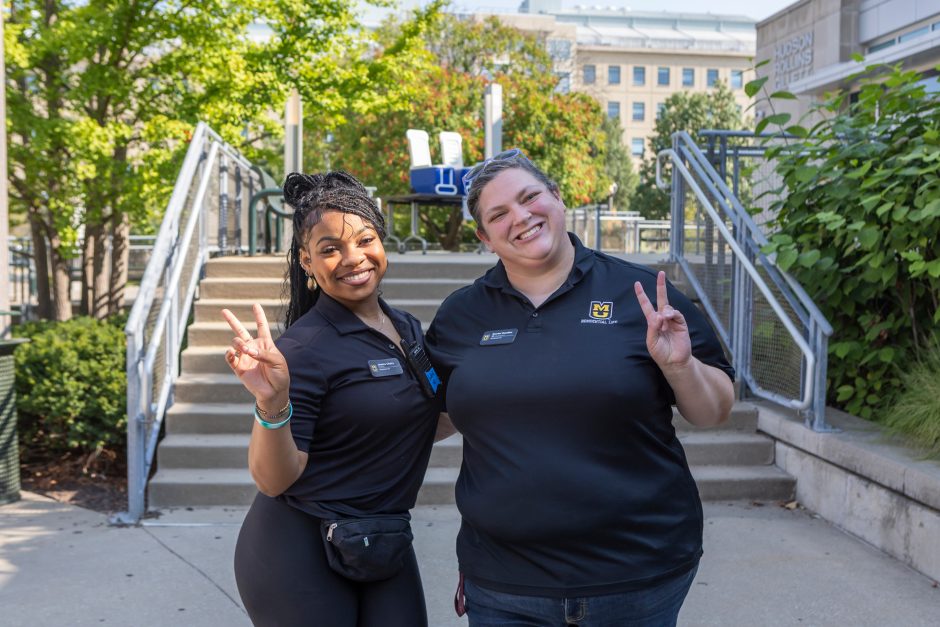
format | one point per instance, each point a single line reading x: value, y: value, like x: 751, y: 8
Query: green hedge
x: 859, y: 227
x: 71, y: 385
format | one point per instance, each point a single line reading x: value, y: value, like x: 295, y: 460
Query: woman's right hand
x: 257, y: 362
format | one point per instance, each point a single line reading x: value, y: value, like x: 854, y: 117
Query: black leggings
x: 284, y: 580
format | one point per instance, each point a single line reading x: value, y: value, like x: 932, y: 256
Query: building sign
x: 793, y: 59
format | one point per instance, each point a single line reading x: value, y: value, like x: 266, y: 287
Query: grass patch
x: 915, y: 414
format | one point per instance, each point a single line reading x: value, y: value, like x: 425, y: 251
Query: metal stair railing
x: 156, y: 326
x: 777, y: 336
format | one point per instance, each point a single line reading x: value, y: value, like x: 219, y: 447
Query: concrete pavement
x: 763, y: 565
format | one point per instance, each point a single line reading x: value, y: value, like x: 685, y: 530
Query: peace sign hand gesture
x: 257, y: 362
x: 667, y: 333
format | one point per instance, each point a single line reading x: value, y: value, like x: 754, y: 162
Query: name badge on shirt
x: 385, y: 367
x: 500, y: 336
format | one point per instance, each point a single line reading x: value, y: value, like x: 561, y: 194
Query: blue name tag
x: 385, y: 367
x: 500, y: 336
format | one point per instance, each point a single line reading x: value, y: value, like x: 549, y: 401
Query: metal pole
x: 239, y: 203
x: 493, y: 120
x: 223, y: 203
x: 597, y: 227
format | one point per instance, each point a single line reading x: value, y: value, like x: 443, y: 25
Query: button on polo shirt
x: 368, y: 431
x: 573, y: 482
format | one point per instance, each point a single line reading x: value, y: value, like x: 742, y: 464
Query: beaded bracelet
x: 260, y: 416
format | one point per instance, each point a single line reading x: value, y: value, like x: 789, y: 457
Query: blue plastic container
x: 435, y: 179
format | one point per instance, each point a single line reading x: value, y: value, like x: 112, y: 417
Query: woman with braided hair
x: 345, y: 417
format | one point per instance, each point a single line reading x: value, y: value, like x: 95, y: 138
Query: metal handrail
x: 745, y: 243
x: 164, y: 274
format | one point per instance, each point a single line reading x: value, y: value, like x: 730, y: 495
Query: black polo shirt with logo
x: 359, y: 413
x: 573, y: 482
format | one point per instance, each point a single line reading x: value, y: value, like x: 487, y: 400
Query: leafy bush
x: 916, y: 412
x: 71, y: 385
x: 859, y: 227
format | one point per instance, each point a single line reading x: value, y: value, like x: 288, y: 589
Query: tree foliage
x: 101, y: 96
x: 682, y: 111
x: 562, y: 133
x: 858, y: 226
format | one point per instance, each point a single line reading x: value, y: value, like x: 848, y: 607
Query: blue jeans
x: 656, y: 606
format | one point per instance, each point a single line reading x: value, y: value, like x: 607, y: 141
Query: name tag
x: 385, y: 367
x: 501, y: 336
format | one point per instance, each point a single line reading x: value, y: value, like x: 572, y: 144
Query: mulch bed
x: 97, y: 482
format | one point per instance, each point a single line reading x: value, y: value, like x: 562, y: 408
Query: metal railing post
x: 223, y: 204
x: 239, y: 203
x: 597, y: 227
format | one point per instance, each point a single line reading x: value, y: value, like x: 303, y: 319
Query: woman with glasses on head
x: 345, y: 417
x: 577, y: 504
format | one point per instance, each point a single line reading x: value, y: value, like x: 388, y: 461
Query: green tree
x: 619, y: 166
x: 682, y: 111
x: 562, y: 133
x: 101, y: 96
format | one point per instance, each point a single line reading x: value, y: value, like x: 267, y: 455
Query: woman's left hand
x: 667, y: 333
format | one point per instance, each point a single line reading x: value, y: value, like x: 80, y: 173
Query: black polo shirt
x: 573, y: 482
x: 362, y: 418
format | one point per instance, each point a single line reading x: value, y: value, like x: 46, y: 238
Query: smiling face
x: 344, y: 254
x: 522, y: 220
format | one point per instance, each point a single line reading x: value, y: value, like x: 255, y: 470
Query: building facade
x: 811, y: 43
x: 631, y: 62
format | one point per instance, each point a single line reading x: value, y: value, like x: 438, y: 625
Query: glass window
x: 660, y: 107
x: 613, y: 110
x: 688, y: 77
x: 559, y: 49
x: 639, y: 111
x: 881, y: 46
x: 737, y: 79
x: 590, y: 74
x: 564, y: 82
x: 711, y: 77
x: 639, y: 75
x: 923, y: 30
x: 613, y: 74
x: 662, y: 76
x: 636, y: 146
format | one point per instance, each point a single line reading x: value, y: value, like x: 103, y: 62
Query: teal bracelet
x: 274, y: 425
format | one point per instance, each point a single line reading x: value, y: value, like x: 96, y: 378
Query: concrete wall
x: 864, y: 482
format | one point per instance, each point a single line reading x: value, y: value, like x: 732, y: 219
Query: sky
x: 757, y: 9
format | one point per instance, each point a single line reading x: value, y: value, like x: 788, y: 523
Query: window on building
x: 737, y: 79
x: 613, y: 74
x: 639, y: 111
x: 636, y: 146
x: 590, y: 74
x: 564, y: 82
x: 711, y: 78
x: 881, y: 46
x: 688, y: 77
x: 639, y: 75
x: 613, y: 110
x: 662, y: 77
x: 559, y: 49
x: 914, y: 34
x: 660, y: 107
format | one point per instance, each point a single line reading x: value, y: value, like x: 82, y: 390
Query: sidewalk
x: 63, y: 565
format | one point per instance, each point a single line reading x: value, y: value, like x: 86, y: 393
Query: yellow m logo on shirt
x: 601, y: 310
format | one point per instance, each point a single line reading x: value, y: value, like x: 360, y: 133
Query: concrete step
x: 422, y: 289
x: 242, y: 288
x: 212, y: 388
x: 219, y: 334
x: 438, y: 486
x: 198, y: 451
x: 743, y: 418
x: 205, y: 360
x: 727, y: 448
x: 210, y: 309
x: 408, y: 266
x: 447, y: 453
x: 731, y: 483
x: 182, y: 487
x: 209, y: 418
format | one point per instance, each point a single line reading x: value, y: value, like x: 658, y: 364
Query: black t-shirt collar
x: 345, y: 321
x: 583, y: 261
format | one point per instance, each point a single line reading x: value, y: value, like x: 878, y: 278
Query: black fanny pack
x: 367, y: 549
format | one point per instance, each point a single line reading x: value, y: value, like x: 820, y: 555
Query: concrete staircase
x: 202, y: 460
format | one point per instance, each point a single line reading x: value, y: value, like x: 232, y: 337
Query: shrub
x: 916, y: 412
x: 859, y: 226
x: 71, y: 385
